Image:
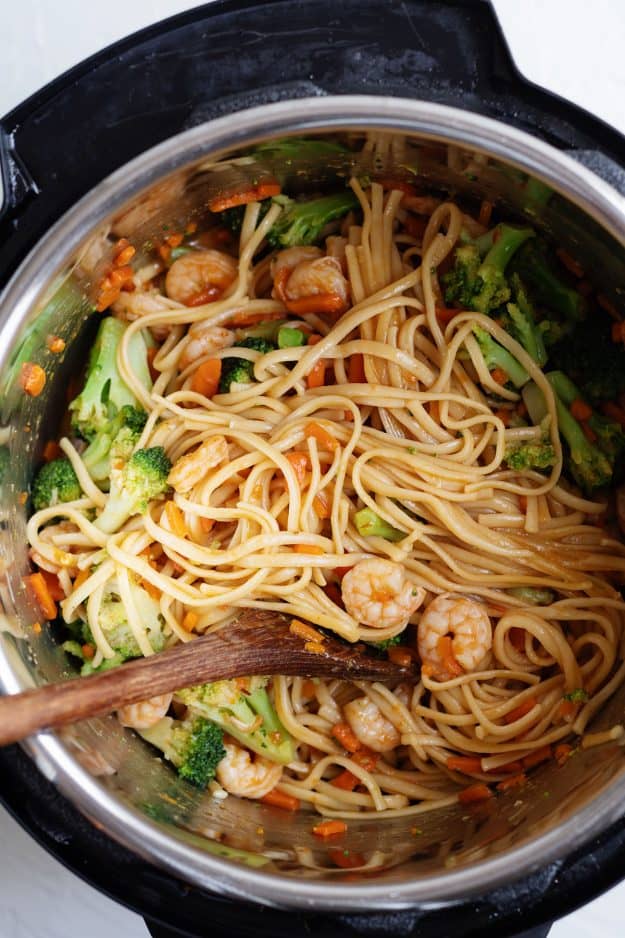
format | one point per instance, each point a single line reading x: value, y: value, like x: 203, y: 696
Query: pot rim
x: 596, y: 197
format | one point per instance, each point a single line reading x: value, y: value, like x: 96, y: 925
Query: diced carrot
x: 344, y: 734
x: 306, y: 631
x: 521, y: 409
x: 329, y: 828
x: 389, y: 183
x: 515, y: 781
x: 614, y: 412
x: 588, y: 432
x: 465, y: 764
x: 256, y: 193
x: 346, y: 859
x: 512, y: 767
x: 242, y: 319
x: 280, y: 281
x: 54, y: 587
x: 366, y: 758
x: 446, y: 652
x: 308, y: 549
x: 88, y: 650
x: 580, y: 409
x: 175, y: 240
x: 124, y: 252
x: 207, y: 524
x: 608, y: 306
x: 300, y: 463
x: 151, y: 589
x: 316, y: 377
x: 535, y: 758
x: 106, y: 298
x: 474, y: 793
x: 517, y: 638
x: 334, y: 594
x: 51, y: 451
x: 346, y: 781
x: 563, y: 753
x: 176, y: 520
x: 400, y: 656
x: 205, y: 379
x: 37, y: 628
x: 329, y: 303
x: 321, y: 505
x: 570, y: 263
x: 486, y: 210
x: 41, y: 591
x: 308, y: 688
x: 521, y: 711
x: 81, y: 578
x: 504, y: 416
x: 314, y: 339
x: 321, y: 435
x: 243, y: 684
x: 314, y: 648
x: 55, y: 344
x: 154, y: 372
x: 445, y: 314
x: 190, y: 620
x: 499, y: 376
x: 22, y: 498
x: 32, y: 379
x: 567, y: 710
x: 356, y: 370
x: 121, y: 276
x: 280, y: 799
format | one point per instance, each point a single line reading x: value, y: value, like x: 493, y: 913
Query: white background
x: 573, y: 47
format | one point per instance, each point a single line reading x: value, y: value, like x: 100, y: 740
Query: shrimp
x: 369, y: 725
x: 204, y: 340
x: 192, y: 467
x: 246, y: 775
x: 200, y: 275
x: 377, y: 592
x: 131, y: 306
x: 149, y: 206
x: 469, y: 626
x: 146, y: 713
x: 299, y: 277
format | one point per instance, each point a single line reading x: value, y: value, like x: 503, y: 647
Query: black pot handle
x: 16, y: 185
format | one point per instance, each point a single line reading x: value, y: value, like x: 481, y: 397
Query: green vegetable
x: 532, y: 263
x: 533, y: 596
x: 55, y: 482
x: 240, y: 370
x: 232, y: 218
x: 104, y: 393
x: 5, y: 461
x: 226, y: 704
x: 496, y: 356
x: 579, y: 695
x: 289, y: 149
x: 535, y: 454
x: 522, y: 323
x: 290, y: 338
x: 133, y: 486
x: 369, y: 524
x: 194, y: 745
x: 589, y: 356
x: 610, y: 436
x: 115, y: 441
x: 303, y: 222
x: 387, y: 643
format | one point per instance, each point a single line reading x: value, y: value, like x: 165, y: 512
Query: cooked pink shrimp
x: 377, y: 592
x: 370, y: 726
x: 200, y: 274
x: 468, y: 625
x: 146, y: 713
x: 192, y: 467
x: 291, y: 257
x: 204, y: 340
x: 310, y: 281
x: 247, y: 775
x: 149, y: 205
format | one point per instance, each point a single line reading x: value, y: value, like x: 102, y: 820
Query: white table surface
x: 572, y: 47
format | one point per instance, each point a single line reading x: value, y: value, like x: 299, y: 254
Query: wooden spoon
x: 257, y: 642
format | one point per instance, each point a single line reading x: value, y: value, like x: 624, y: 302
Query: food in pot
x: 361, y: 408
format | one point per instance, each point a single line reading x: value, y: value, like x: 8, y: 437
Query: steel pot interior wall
x: 234, y: 846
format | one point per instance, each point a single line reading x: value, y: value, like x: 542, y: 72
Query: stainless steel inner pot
x: 238, y: 847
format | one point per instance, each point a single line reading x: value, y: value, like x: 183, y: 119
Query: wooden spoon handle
x: 258, y: 643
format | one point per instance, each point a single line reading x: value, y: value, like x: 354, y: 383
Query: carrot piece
x: 614, y: 412
x: 343, y: 733
x: 32, y: 379
x: 465, y: 764
x: 400, y: 656
x: 329, y: 303
x: 41, y: 591
x: 316, y: 377
x: 515, y: 781
x: 512, y: 767
x: 535, y: 758
x: 608, y: 306
x: 315, y: 648
x: 300, y: 463
x: 517, y: 638
x: 321, y: 435
x: 521, y: 711
x: 346, y: 781
x: 314, y: 339
x: 280, y: 799
x: 570, y: 263
x: 205, y: 379
x: 54, y: 587
x: 329, y: 828
x: 445, y: 650
x: 341, y: 571
x: 308, y: 688
x: 334, y: 594
x: 522, y: 503
x: 499, y: 376
x: 563, y: 753
x: 154, y: 372
x: 252, y: 319
x: 474, y: 793
x: 81, y: 578
x: 567, y: 710
x: 190, y: 620
x: 256, y: 193
x: 308, y: 549
x: 367, y: 759
x: 55, y: 344
x: 206, y: 525
x: 304, y: 630
x: 445, y: 314
x: 504, y: 416
x: 486, y: 210
x: 588, y: 432
x: 51, y: 451
x: 176, y: 520
x: 151, y: 589
x: 356, y: 370
x: 400, y: 185
x: 345, y: 858
x: 321, y: 505
x: 580, y: 409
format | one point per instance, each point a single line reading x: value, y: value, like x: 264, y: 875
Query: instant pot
x: 129, y: 139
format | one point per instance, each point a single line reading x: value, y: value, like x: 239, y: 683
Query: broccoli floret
x: 369, y: 524
x: 104, y: 393
x: 232, y: 218
x: 609, y: 435
x: 483, y: 286
x: 592, y: 359
x: 55, y: 482
x: 116, y: 441
x: 532, y: 455
x: 579, y: 695
x: 553, y: 332
x: 522, y: 322
x: 194, y: 745
x: 532, y: 595
x: 240, y: 370
x: 133, y: 486
x: 386, y: 643
x: 303, y: 222
x: 533, y: 265
x: 233, y: 709
x: 496, y: 356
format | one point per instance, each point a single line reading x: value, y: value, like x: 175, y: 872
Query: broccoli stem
x: 369, y: 524
x: 496, y: 356
x: 506, y: 240
x: 588, y: 465
x: 303, y: 222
